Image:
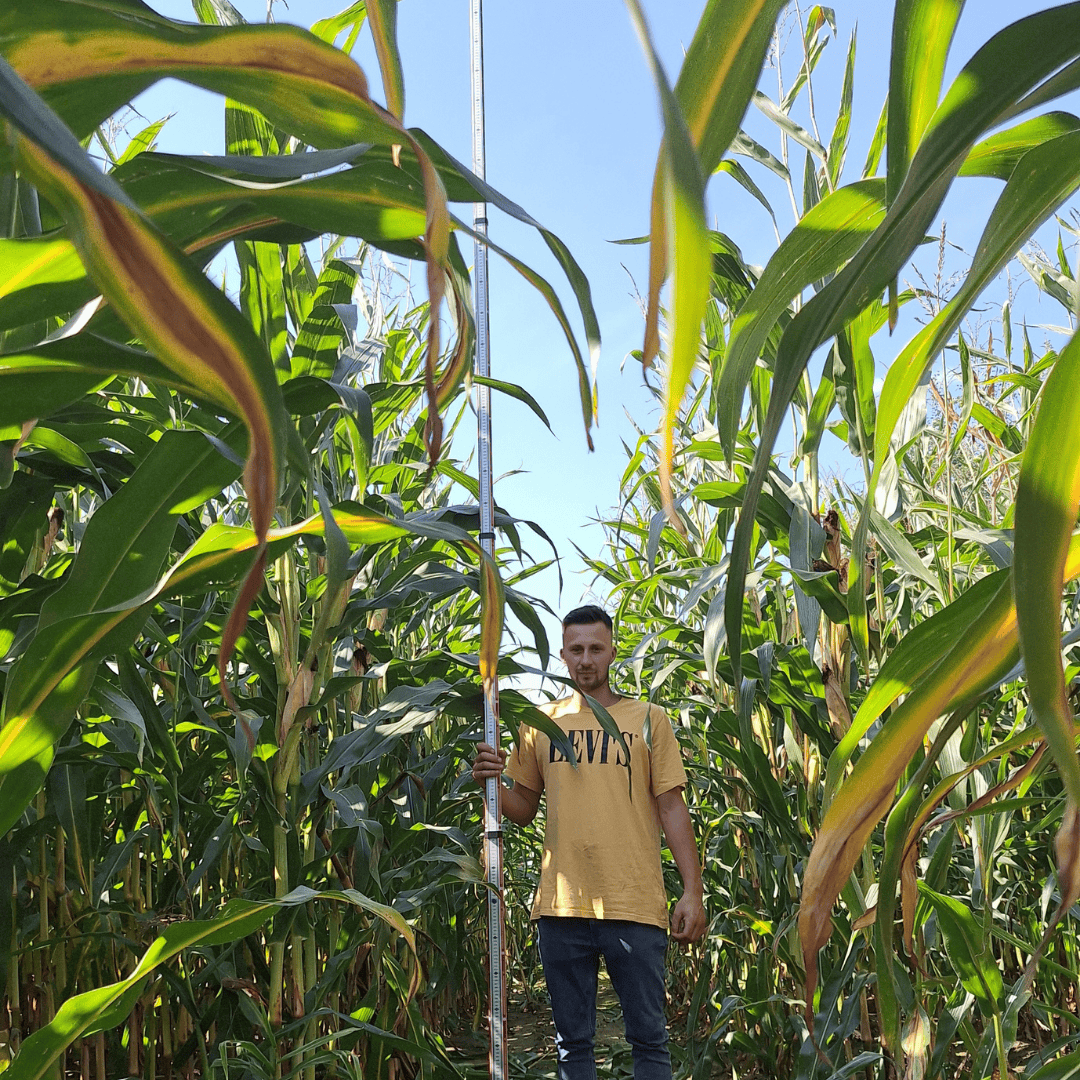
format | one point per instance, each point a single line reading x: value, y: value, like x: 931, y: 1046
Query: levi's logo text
x: 594, y: 747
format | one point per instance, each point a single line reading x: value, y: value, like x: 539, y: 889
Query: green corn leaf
x: 985, y: 803
x: 1066, y: 1067
x: 1008, y: 435
x: 783, y: 121
x: 965, y: 944
x: 463, y: 185
x: 24, y: 603
x: 745, y: 146
x: 518, y: 393
x: 838, y: 144
x: 40, y: 275
x: 298, y: 82
x: 143, y: 141
x: 460, y: 360
x: 67, y: 795
x: 217, y: 12
x: 1047, y: 502
x: 774, y: 512
x: 319, y: 340
x: 223, y: 553
x: 53, y: 446
x: 811, y: 189
x: 263, y: 199
x: 1064, y: 81
x: 519, y: 710
x: 877, y: 144
x: 805, y: 538
x: 998, y: 155
x: 820, y: 408
x: 262, y: 291
x: 984, y: 92
x: 492, y: 601
x: 720, y: 72
x: 262, y: 297
x: 922, y: 33
x: 161, y: 739
x: 893, y: 866
x: 374, y: 200
x: 745, y: 181
x: 1045, y: 176
x: 901, y: 551
x: 300, y: 283
x: 853, y: 372
x: 823, y: 586
x: 586, y: 387
x: 120, y: 559
x: 830, y: 234
x: 608, y: 723
x: 24, y: 506
x: 108, y: 1006
x: 45, y: 379
x: 18, y: 788
x: 351, y: 19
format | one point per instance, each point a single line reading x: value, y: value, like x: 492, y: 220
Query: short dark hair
x: 588, y: 613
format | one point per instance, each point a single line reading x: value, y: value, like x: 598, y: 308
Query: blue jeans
x: 634, y: 956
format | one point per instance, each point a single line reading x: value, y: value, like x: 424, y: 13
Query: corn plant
x: 976, y: 854
x: 890, y: 650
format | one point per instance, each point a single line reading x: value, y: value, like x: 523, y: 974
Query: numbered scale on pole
x: 497, y: 1062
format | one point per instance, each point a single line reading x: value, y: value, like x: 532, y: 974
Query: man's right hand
x: 519, y: 803
x: 489, y: 763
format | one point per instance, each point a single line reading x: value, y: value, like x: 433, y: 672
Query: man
x: 601, y: 885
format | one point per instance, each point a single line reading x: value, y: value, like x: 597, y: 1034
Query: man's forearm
x: 688, y: 919
x: 516, y: 807
x: 679, y: 832
x: 519, y: 803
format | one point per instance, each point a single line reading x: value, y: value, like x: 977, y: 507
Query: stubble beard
x: 589, y: 684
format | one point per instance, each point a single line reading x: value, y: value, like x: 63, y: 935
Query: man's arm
x: 688, y: 919
x: 519, y: 803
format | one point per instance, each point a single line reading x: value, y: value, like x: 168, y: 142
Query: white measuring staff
x: 497, y: 1064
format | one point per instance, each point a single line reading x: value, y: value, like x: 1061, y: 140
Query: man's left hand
x: 688, y: 921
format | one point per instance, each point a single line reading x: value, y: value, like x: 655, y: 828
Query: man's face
x: 587, y: 651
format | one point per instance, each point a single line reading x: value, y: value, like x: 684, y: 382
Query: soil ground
x: 532, y: 1032
x: 531, y: 1037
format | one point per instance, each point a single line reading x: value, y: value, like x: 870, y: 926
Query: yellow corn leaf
x: 178, y: 314
x: 299, y: 82
x: 688, y: 254
x: 713, y: 90
x: 976, y: 661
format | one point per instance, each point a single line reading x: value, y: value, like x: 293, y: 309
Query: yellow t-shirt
x: 601, y: 846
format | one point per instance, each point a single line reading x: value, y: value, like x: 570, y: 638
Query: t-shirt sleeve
x: 522, y: 765
x: 666, y: 757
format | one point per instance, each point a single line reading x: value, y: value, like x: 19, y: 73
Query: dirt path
x: 531, y: 1035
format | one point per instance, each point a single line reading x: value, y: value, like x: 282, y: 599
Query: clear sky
x: 572, y: 135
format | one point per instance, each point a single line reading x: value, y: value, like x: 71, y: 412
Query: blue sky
x: 572, y: 134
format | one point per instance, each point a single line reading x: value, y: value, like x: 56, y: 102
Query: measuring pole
x: 497, y: 1066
